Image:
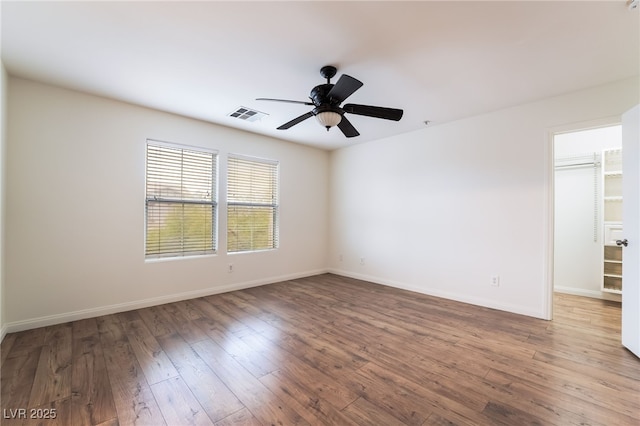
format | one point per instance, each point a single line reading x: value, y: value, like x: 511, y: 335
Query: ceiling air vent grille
x: 247, y: 114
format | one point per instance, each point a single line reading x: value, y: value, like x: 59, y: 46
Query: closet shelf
x: 612, y: 190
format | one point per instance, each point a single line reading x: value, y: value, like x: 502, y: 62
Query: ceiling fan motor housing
x: 320, y: 95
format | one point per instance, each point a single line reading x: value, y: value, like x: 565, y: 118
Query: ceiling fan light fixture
x: 329, y: 118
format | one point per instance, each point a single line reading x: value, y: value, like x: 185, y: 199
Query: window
x: 252, y: 204
x: 180, y: 201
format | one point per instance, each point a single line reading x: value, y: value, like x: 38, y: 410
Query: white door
x: 631, y: 220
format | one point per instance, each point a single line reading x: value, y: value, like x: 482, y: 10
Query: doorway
x: 587, y: 211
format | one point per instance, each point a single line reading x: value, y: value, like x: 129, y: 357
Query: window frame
x: 274, y: 205
x: 154, y: 199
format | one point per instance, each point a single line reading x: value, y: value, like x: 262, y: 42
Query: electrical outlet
x: 495, y: 281
x: 362, y: 261
x: 340, y: 258
x: 230, y: 268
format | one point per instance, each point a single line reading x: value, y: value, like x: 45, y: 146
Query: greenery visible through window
x: 180, y: 201
x: 252, y: 204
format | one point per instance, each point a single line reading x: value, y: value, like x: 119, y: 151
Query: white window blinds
x: 180, y: 201
x: 252, y: 204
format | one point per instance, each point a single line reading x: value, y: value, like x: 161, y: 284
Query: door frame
x: 547, y: 306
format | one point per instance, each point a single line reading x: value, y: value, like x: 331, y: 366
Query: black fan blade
x: 284, y: 100
x: 347, y: 128
x: 374, y: 111
x: 344, y: 88
x: 295, y: 121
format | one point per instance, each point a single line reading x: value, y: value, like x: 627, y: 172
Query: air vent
x: 247, y: 114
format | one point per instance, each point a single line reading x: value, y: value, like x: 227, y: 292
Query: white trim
x: 16, y: 326
x: 548, y: 237
x: 478, y: 301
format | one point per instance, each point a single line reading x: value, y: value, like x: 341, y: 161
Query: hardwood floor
x: 325, y: 350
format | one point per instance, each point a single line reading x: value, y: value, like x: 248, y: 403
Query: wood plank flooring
x: 324, y: 350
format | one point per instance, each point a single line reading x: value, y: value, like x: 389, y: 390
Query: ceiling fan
x: 326, y: 98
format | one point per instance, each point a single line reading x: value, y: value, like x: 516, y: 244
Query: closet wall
x: 578, y: 219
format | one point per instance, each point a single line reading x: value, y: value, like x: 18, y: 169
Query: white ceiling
x: 439, y: 61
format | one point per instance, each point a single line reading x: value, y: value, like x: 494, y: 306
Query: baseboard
x: 3, y: 332
x: 13, y: 327
x: 587, y: 293
x: 487, y: 303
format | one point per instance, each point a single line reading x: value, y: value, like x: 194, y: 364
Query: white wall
x: 437, y: 211
x: 443, y: 209
x: 75, y: 208
x: 577, y: 254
